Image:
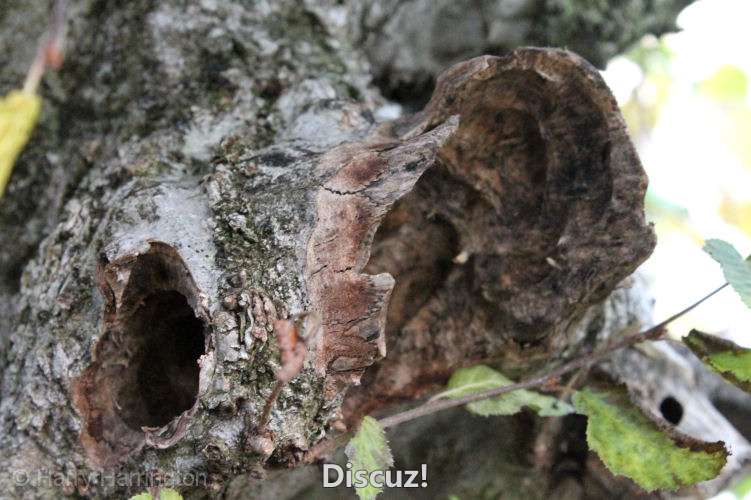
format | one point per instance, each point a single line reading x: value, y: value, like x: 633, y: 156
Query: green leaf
x: 164, y: 494
x: 736, y: 270
x: 369, y: 451
x: 728, y: 84
x: 742, y: 489
x: 169, y: 494
x: 730, y: 360
x: 632, y: 445
x: 481, y: 378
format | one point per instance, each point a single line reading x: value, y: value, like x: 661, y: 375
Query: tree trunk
x: 206, y: 176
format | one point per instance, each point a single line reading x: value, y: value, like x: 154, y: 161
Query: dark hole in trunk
x: 162, y: 377
x: 146, y: 367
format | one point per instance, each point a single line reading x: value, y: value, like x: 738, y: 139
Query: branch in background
x: 50, y: 49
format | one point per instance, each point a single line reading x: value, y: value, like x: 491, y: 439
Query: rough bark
x: 204, y: 171
x: 410, y: 42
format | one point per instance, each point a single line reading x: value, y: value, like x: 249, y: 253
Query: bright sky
x: 692, y: 161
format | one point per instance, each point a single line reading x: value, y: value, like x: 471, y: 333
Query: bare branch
x: 50, y: 49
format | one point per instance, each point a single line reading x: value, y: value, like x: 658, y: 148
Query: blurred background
x: 687, y: 103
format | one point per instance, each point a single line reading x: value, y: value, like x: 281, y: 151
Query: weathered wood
x: 539, y: 194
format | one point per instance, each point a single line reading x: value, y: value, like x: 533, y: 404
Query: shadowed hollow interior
x: 163, y: 339
x: 475, y: 228
x: 161, y: 380
x: 481, y: 249
x: 145, y: 368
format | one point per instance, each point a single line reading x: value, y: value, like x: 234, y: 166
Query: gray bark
x: 410, y: 42
x: 204, y: 171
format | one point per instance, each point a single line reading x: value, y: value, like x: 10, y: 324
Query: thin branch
x: 266, y: 413
x: 584, y: 361
x: 50, y: 49
x: 295, y: 337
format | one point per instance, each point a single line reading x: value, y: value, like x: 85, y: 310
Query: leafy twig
x: 590, y: 359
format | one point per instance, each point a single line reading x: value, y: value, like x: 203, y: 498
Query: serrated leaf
x: 164, y: 494
x: 632, y: 445
x: 369, y: 451
x: 730, y: 360
x: 481, y: 378
x: 736, y: 270
x: 19, y: 112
